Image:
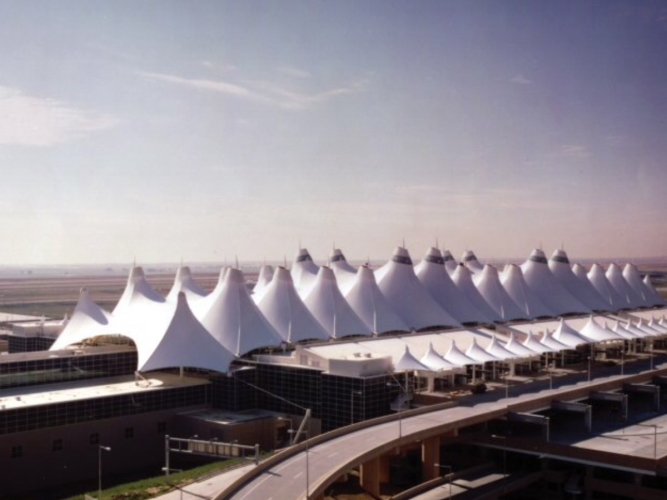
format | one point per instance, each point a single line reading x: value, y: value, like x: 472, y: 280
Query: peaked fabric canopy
x: 263, y: 279
x: 184, y: 282
x: 533, y: 343
x: 514, y: 283
x: 543, y: 283
x: 469, y: 260
x: 475, y: 352
x: 284, y: 309
x: 657, y: 298
x: 618, y: 329
x: 631, y: 298
x: 497, y: 350
x: 599, y: 280
x: 548, y: 340
x: 434, y: 277
x: 344, y: 272
x: 450, y: 262
x: 88, y: 320
x: 304, y: 270
x: 366, y: 299
x: 596, y: 333
x: 407, y: 296
x: 233, y: 318
x: 409, y: 363
x: 559, y: 265
x: 330, y: 308
x: 456, y: 357
x: 462, y: 278
x: 182, y: 342
x: 137, y: 294
x: 631, y: 275
x: 568, y: 336
x: 516, y: 347
x: 489, y: 286
x: 436, y: 362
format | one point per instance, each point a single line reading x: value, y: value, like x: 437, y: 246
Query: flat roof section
x: 26, y: 397
x: 65, y: 353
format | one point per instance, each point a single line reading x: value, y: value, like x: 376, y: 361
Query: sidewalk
x: 207, y: 488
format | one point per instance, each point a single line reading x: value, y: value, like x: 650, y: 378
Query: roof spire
x: 285, y: 260
x: 236, y: 258
x: 437, y: 245
x: 403, y: 241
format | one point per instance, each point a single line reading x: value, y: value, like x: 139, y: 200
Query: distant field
x: 56, y: 296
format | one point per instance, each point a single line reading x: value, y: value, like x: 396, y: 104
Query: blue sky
x: 161, y: 130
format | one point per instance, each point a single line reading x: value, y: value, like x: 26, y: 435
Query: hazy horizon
x: 161, y: 131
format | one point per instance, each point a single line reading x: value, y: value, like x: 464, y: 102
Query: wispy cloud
x: 294, y: 72
x: 35, y: 121
x: 204, y: 84
x: 574, y: 151
x: 521, y: 80
x: 215, y: 66
x: 263, y: 91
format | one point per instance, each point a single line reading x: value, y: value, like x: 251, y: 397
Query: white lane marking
x: 299, y: 474
x: 333, y: 454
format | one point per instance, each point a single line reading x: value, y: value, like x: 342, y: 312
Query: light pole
x: 352, y: 393
x: 400, y: 408
x: 99, y: 469
x: 449, y: 476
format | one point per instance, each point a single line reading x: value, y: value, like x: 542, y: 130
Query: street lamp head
x: 105, y: 448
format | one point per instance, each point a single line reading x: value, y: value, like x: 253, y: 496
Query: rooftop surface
x: 26, y: 397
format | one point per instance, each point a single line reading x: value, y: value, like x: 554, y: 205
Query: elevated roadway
x: 305, y: 471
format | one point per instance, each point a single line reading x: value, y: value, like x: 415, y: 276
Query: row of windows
x: 26, y: 419
x: 93, y: 440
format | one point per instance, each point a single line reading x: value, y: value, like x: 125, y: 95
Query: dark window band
x: 435, y: 259
x: 402, y: 260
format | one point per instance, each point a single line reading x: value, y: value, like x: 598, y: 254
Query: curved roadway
x: 307, y: 474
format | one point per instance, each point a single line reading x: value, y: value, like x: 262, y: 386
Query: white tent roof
x: 181, y: 342
x: 631, y: 275
x: 657, y: 325
x: 543, y: 283
x: 434, y: 277
x: 456, y: 357
x: 657, y: 298
x: 137, y: 294
x: 409, y: 363
x: 366, y: 299
x: 410, y: 300
x: 469, y: 260
x: 548, y: 340
x: 435, y: 361
x: 599, y: 280
x: 516, y: 347
x: 263, y: 279
x: 330, y: 308
x: 450, y: 262
x: 514, y: 283
x: 568, y: 336
x: 233, y: 318
x: 88, y: 320
x: 643, y: 325
x: 592, y: 330
x: 499, y: 351
x: 282, y: 307
x: 630, y: 327
x: 533, y: 343
x: 489, y: 286
x: 462, y: 278
x: 304, y: 270
x: 184, y: 282
x: 344, y: 272
x: 618, y: 329
x: 559, y: 265
x: 475, y: 352
x: 615, y: 277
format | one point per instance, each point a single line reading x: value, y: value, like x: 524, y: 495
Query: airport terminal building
x: 242, y: 364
